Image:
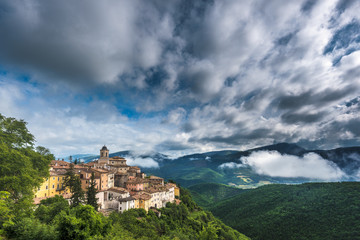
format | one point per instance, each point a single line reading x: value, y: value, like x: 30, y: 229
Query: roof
x: 58, y: 172
x: 136, y: 180
x: 104, y: 148
x: 118, y: 190
x: 59, y: 163
x: 134, y: 167
x: 99, y: 170
x: 126, y: 199
x: 117, y: 158
x: 117, y: 166
x: 155, y: 177
x: 142, y: 196
x: 171, y: 185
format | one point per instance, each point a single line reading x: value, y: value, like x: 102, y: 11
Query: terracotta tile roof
x: 172, y: 184
x: 117, y: 158
x: 155, y: 177
x: 57, y: 172
x: 136, y: 180
x: 142, y: 196
x: 126, y: 199
x: 59, y: 163
x: 99, y: 170
x: 118, y: 190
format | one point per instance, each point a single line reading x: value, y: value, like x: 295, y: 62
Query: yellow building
x: 176, y: 189
x: 142, y: 200
x: 53, y: 185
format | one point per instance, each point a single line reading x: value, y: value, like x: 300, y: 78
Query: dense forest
x: 206, y: 194
x: 306, y: 211
x: 23, y: 168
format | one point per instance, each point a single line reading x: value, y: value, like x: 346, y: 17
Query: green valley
x: 305, y: 211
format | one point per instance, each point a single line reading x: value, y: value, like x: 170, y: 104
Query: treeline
x: 307, y: 211
x: 22, y: 170
x: 55, y: 219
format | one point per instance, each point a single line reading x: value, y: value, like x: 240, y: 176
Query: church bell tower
x: 104, y: 155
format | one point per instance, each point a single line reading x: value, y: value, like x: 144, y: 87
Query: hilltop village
x: 120, y: 187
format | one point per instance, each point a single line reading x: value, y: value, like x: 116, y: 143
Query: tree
x: 73, y: 182
x: 22, y: 169
x: 81, y: 222
x: 5, y: 211
x: 14, y: 133
x: 91, y: 193
x: 50, y: 207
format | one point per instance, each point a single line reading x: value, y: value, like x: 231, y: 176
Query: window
x: 58, y: 178
x: 58, y: 186
x: 53, y: 178
x: 46, y: 187
x: 53, y: 186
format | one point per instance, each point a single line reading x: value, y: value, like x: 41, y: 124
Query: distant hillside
x: 226, y: 167
x: 306, y: 211
x: 206, y: 194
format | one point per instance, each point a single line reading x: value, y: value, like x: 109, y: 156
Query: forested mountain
x: 206, y: 194
x: 305, y: 211
x: 228, y: 167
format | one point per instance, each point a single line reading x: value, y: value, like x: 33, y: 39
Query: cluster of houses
x: 120, y: 187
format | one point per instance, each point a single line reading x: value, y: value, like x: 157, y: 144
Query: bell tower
x: 104, y: 155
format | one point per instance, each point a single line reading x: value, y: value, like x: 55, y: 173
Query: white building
x: 115, y: 198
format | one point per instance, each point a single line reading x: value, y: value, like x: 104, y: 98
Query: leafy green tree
x: 74, y: 183
x: 30, y: 228
x: 91, y: 193
x: 50, y: 207
x: 14, y: 133
x: 22, y: 169
x: 5, y: 212
x: 209, y: 232
x: 81, y: 222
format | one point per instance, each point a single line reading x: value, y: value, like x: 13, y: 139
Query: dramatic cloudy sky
x: 181, y: 76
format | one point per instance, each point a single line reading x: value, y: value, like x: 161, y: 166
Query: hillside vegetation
x: 306, y: 211
x: 206, y: 194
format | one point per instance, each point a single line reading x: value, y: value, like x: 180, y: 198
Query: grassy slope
x: 206, y: 194
x: 306, y: 211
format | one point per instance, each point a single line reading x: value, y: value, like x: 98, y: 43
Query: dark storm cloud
x: 212, y: 73
x: 172, y: 146
x: 308, y: 5
x: 353, y: 126
x: 285, y: 39
x: 83, y: 41
x: 237, y: 138
x: 294, y: 118
x: 294, y: 101
x: 311, y: 98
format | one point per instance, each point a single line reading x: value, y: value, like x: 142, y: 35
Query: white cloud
x: 311, y: 166
x: 232, y: 165
x: 142, y: 162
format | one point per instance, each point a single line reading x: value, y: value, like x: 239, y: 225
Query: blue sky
x: 181, y: 76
